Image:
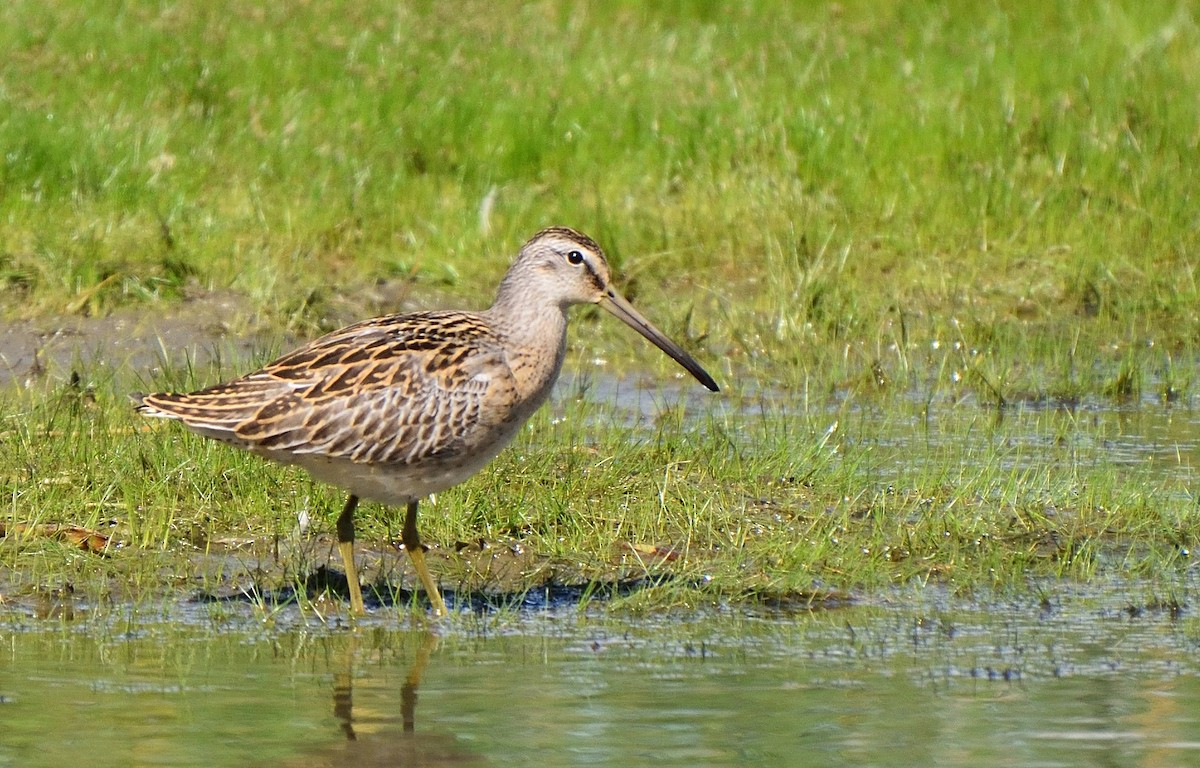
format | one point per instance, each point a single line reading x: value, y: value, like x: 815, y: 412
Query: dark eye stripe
x: 596, y: 281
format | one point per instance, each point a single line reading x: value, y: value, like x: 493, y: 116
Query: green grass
x: 755, y: 500
x: 926, y: 212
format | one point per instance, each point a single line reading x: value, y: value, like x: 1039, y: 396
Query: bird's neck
x: 535, y: 331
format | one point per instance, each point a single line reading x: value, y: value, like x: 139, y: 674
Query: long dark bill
x: 619, y: 307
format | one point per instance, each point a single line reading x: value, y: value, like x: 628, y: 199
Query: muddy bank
x: 139, y: 340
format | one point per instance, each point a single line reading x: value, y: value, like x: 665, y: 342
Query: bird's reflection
x: 370, y: 743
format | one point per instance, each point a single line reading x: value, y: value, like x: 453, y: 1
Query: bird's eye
x: 575, y: 257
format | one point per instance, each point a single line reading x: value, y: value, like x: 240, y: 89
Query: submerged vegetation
x: 941, y: 258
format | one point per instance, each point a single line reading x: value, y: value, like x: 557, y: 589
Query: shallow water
x: 1162, y: 440
x: 1095, y: 676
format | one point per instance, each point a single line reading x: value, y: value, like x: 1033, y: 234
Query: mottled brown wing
x: 392, y: 390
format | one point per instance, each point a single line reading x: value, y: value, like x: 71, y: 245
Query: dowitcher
x: 403, y: 406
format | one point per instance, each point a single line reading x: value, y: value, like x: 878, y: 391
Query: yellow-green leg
x: 412, y: 543
x: 345, y: 534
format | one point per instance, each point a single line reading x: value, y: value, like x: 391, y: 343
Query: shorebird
x: 403, y: 406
